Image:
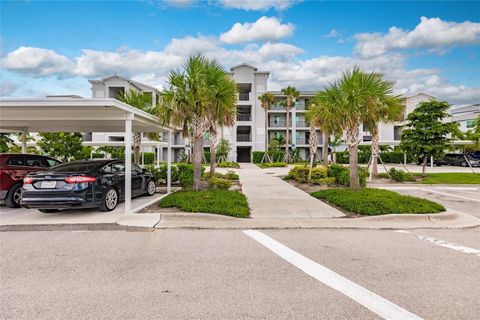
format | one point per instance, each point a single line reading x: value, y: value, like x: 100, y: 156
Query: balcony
x: 244, y: 96
x: 279, y: 124
x: 244, y: 117
x: 277, y: 106
x: 301, y: 124
x: 244, y: 137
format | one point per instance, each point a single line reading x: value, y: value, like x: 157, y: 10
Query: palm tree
x: 140, y: 101
x: 267, y: 99
x: 291, y: 94
x: 382, y: 108
x: 334, y: 144
x: 221, y: 101
x: 352, y: 96
x: 313, y: 143
x: 326, y: 116
x: 185, y: 104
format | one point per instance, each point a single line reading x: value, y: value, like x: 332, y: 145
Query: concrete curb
x: 447, y: 220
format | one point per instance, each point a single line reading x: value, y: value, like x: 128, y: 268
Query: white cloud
x: 332, y: 34
x: 282, y: 60
x: 258, y: 4
x: 36, y: 62
x: 180, y: 3
x: 431, y: 33
x: 264, y: 29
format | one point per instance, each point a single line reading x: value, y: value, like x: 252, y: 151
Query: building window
x: 297, y: 135
x: 297, y: 119
x: 470, y: 124
x: 276, y: 120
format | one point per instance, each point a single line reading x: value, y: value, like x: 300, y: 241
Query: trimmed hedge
x: 342, y: 174
x: 272, y: 165
x: 387, y: 157
x: 257, y: 156
x: 228, y: 165
x: 148, y: 157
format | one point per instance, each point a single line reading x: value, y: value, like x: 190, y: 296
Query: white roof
x: 74, y: 115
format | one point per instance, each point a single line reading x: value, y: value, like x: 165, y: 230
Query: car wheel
x: 14, y: 196
x: 110, y: 200
x: 151, y: 188
x: 48, y: 210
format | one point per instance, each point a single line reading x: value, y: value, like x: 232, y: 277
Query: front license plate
x: 49, y: 184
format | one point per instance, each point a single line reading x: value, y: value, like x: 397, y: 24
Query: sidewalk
x: 270, y: 197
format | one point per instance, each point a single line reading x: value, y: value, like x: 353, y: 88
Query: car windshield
x: 76, y: 167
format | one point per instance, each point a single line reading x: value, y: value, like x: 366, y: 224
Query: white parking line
x: 451, y: 245
x: 377, y: 304
x: 446, y: 244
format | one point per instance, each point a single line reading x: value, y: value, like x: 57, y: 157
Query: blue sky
x: 54, y: 47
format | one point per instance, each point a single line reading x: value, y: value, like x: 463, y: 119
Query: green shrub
x: 371, y: 201
x: 148, y: 157
x: 257, y: 156
x: 299, y: 173
x: 231, y: 175
x: 318, y: 173
x: 207, y: 156
x: 219, y: 183
x: 327, y: 181
x: 342, y: 174
x: 228, y: 165
x: 400, y: 175
x: 185, y: 174
x: 230, y: 203
x: 272, y: 165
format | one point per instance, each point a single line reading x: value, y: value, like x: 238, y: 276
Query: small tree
x: 5, y: 142
x: 223, y: 149
x: 64, y: 146
x: 425, y: 134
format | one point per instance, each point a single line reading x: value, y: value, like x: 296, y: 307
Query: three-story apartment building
x: 248, y: 134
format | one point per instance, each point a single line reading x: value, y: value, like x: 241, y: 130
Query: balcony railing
x: 244, y: 117
x: 277, y: 107
x: 244, y: 137
x: 243, y: 96
x: 307, y: 141
x: 279, y: 124
x: 301, y: 124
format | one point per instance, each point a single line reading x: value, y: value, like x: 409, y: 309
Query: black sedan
x: 84, y: 184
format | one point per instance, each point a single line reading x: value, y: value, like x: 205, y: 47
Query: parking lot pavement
x: 226, y: 274
x: 22, y: 216
x: 458, y: 198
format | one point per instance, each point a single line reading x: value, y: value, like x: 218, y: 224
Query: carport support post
x: 158, y: 156
x: 128, y: 162
x: 169, y: 163
x: 431, y: 162
x: 24, y: 140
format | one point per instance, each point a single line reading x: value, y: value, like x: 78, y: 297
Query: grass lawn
x: 228, y: 203
x: 371, y: 202
x: 452, y: 178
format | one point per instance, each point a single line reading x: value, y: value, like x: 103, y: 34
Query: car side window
x: 118, y: 167
x: 52, y: 162
x: 16, y: 161
x: 33, y: 161
x: 107, y: 169
x: 136, y: 168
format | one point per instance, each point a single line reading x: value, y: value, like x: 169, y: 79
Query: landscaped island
x: 224, y: 202
x: 369, y: 201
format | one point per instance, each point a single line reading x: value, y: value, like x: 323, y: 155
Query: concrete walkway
x: 270, y: 197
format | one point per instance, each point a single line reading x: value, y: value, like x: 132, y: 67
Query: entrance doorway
x: 244, y: 154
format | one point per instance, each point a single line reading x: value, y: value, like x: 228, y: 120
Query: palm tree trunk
x: 374, y: 150
x: 213, y: 156
x: 313, y: 143
x: 137, y: 141
x: 353, y: 141
x: 287, y: 125
x: 197, y: 162
x: 266, y: 157
x: 325, y: 147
